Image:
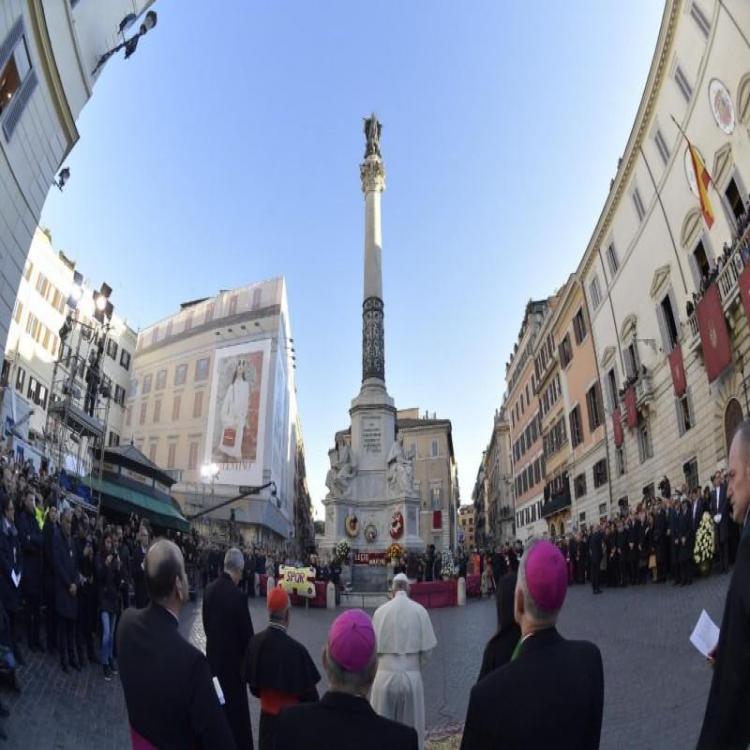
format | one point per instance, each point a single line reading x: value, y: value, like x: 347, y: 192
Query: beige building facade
x: 498, y: 477
x: 466, y: 515
x: 213, y: 388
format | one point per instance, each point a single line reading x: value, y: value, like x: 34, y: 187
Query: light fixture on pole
x: 129, y: 45
x: 103, y: 308
x: 76, y: 291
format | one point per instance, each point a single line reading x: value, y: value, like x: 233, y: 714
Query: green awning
x: 126, y: 500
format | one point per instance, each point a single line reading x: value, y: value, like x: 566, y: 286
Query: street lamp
x: 129, y: 45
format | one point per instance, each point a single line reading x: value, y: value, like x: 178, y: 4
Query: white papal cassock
x: 405, y: 638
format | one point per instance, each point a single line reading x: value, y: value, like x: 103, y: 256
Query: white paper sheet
x: 16, y: 577
x: 705, y: 635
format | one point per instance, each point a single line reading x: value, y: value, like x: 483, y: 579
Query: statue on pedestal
x: 342, y: 471
x: 372, y: 129
x: 400, y: 471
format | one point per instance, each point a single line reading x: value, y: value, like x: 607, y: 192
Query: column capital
x: 372, y: 174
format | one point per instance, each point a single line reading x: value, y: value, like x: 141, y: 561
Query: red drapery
x: 717, y: 347
x: 617, y: 427
x: 678, y: 370
x: 630, y: 408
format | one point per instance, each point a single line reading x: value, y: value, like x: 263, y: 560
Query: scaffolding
x: 79, y: 402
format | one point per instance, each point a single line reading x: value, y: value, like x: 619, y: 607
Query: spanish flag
x: 703, y: 179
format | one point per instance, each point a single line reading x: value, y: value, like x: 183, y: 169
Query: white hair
x: 234, y: 560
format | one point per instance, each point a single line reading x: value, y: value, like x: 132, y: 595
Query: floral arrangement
x: 394, y: 552
x: 703, y: 552
x: 447, y: 568
x: 341, y: 550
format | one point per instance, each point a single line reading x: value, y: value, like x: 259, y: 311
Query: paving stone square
x: 655, y: 682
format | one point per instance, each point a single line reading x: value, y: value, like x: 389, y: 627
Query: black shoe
x: 107, y: 673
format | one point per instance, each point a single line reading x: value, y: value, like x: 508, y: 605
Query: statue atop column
x: 372, y: 129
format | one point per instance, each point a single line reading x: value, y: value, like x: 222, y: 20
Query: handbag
x: 229, y: 436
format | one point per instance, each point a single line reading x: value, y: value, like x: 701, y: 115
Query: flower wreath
x: 394, y: 552
x: 351, y: 524
x: 397, y: 525
x: 371, y: 532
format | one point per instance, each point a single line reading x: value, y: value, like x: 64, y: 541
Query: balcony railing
x: 644, y: 391
x: 556, y: 504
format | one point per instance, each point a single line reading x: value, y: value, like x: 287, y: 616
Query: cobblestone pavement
x: 655, y: 682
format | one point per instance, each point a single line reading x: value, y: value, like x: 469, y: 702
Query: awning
x: 126, y: 500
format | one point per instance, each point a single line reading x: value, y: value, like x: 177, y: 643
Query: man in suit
x: 673, y: 532
x: 525, y: 703
x: 720, y: 513
x: 595, y: 555
x: 726, y: 723
x: 696, y: 509
x: 65, y: 564
x: 32, y: 544
x: 138, y: 567
x: 344, y: 718
x: 171, y: 700
x: 228, y: 627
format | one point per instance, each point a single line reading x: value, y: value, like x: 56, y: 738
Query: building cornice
x: 643, y: 118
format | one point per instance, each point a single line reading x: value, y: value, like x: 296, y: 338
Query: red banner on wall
x: 437, y: 519
x: 617, y: 427
x: 630, y: 408
x: 717, y: 347
x: 744, y: 284
x: 678, y: 370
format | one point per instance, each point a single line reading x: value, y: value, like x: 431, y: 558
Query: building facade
x: 48, y: 52
x: 213, y: 388
x: 499, y: 482
x: 33, y: 342
x: 466, y: 514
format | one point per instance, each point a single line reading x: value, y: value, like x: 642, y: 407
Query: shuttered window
x: 17, y: 78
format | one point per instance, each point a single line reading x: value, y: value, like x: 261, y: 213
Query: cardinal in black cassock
x: 279, y: 670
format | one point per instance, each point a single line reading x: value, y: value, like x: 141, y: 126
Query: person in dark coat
x: 660, y: 541
x: 673, y: 533
x: 169, y: 691
x: 500, y: 647
x: 596, y: 551
x: 109, y: 581
x: 137, y: 567
x: 686, y: 536
x: 526, y: 703
x: 249, y: 574
x: 66, y: 588
x: 719, y: 508
x: 49, y: 530
x: 11, y: 571
x: 279, y: 670
x: 32, y: 549
x: 344, y: 719
x: 86, y: 595
x: 726, y: 723
x: 122, y: 550
x: 228, y: 627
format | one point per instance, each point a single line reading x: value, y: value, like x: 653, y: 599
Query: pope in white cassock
x: 234, y: 412
x: 405, y: 638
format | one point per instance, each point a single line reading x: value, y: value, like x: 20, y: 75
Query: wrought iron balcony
x: 556, y: 503
x: 644, y: 392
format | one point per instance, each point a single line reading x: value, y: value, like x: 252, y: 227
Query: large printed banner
x: 717, y: 347
x: 677, y: 367
x: 300, y: 581
x: 237, y: 412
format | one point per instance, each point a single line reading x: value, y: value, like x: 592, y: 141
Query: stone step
x: 363, y: 599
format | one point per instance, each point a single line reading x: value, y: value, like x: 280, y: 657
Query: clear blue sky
x: 226, y: 151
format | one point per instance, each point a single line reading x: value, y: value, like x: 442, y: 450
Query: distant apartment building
x: 466, y: 516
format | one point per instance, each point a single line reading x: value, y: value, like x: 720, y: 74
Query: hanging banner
x: 617, y: 427
x: 744, y: 284
x: 630, y: 408
x: 717, y: 347
x: 678, y: 370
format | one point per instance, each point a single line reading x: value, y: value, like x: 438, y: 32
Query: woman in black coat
x: 109, y: 581
x: 10, y: 569
x: 500, y: 647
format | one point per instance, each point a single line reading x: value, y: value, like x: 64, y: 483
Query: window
x: 256, y: 297
x: 180, y: 374
x: 595, y: 407
x: 612, y: 259
x: 434, y: 449
x: 582, y: 517
x: 620, y: 461
x: 645, y: 449
x: 28, y: 270
x: 125, y: 359
x: 661, y: 146
x: 198, y: 404
x: 119, y: 395
x: 690, y: 470
x: 17, y: 79
x: 537, y: 471
x: 734, y: 199
x: 155, y: 335
x: 18, y: 312
x: 685, y: 415
x: 602, y: 511
x: 682, y: 83
x: 147, y: 379
x: 436, y: 498
x: 566, y: 352
x: 640, y: 209
x: 176, y: 408
x: 700, y: 19
x: 171, y: 455
x: 595, y: 293
x: 152, y: 452
x: 201, y: 369
x: 666, y: 315
x: 112, y: 349
x: 612, y: 388
x: 161, y: 380
x: 600, y: 473
x: 193, y: 456
x: 209, y: 312
x: 576, y: 428
x: 579, y: 485
x: 133, y: 388
x: 114, y: 439
x: 20, y: 379
x: 142, y: 417
x: 233, y: 305
x: 631, y: 360
x: 189, y: 320
x: 579, y: 326
x: 157, y: 410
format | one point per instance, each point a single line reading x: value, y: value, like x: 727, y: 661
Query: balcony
x: 644, y: 392
x: 556, y: 503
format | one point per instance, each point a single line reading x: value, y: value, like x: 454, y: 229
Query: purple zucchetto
x: 546, y: 576
x: 351, y: 640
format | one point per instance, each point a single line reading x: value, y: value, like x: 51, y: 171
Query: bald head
x: 165, y: 570
x: 738, y: 473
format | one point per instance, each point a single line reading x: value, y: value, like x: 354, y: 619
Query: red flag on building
x: 702, y: 180
x: 617, y: 427
x: 678, y: 370
x: 630, y: 408
x: 717, y: 347
x: 744, y: 284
